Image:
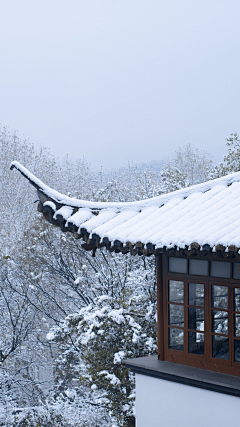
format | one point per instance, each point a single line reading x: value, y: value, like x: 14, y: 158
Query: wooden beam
x: 160, y: 307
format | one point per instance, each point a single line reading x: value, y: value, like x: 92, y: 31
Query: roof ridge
x: 62, y: 199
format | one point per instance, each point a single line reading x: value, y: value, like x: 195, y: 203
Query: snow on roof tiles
x: 204, y: 214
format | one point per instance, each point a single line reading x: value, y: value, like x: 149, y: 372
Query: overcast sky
x: 121, y: 80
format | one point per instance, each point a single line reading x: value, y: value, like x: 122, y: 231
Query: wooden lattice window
x: 201, y: 314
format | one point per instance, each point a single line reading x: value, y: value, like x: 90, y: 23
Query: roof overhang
x: 194, y: 221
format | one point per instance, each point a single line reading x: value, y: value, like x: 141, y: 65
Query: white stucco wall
x: 161, y: 403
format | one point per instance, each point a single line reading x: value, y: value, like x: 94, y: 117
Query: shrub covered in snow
x: 102, y: 335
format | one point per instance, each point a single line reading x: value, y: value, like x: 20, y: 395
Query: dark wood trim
x: 230, y: 324
x: 185, y: 317
x: 160, y: 307
x: 165, y: 304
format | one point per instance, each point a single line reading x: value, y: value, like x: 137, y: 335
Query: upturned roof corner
x: 199, y: 219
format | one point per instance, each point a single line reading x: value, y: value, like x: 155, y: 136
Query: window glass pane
x: 220, y: 347
x: 196, y: 294
x: 220, y: 297
x: 196, y: 318
x: 237, y: 325
x: 177, y: 265
x: 237, y: 350
x: 220, y: 269
x: 196, y: 343
x: 198, y: 266
x: 176, y: 291
x: 236, y: 270
x: 176, y: 339
x: 237, y: 299
x: 176, y: 315
x: 220, y: 322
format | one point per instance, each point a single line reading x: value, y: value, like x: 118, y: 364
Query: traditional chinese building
x: 195, y: 235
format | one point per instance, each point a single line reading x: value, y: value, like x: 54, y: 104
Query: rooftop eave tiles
x: 198, y: 218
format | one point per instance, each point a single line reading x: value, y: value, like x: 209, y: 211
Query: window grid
x: 207, y: 359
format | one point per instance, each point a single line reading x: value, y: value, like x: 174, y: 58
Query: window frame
x: 206, y: 361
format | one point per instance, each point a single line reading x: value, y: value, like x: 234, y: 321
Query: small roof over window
x: 202, y: 217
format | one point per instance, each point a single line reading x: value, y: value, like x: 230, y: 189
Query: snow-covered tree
x: 94, y: 341
x: 187, y: 166
x: 231, y: 162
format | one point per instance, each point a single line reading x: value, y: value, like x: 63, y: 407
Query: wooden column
x: 160, y: 307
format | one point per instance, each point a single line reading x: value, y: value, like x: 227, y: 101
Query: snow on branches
x: 98, y: 338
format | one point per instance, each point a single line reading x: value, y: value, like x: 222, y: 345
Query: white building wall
x: 161, y: 403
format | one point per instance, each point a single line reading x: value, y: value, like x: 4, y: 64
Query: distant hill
x: 154, y: 164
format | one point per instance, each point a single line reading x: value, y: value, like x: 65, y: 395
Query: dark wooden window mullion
x: 185, y: 318
x: 211, y: 320
x: 231, y: 324
x: 165, y: 311
x: 220, y: 335
x: 208, y: 320
x: 160, y: 306
x: 175, y: 303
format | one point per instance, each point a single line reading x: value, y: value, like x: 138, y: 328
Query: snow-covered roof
x: 202, y: 217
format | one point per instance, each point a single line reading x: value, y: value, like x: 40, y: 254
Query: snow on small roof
x: 203, y: 216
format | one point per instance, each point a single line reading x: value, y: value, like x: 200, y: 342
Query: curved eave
x: 103, y: 224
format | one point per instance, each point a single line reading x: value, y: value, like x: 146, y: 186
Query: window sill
x: 195, y: 377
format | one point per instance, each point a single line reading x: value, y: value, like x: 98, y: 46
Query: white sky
x: 121, y: 80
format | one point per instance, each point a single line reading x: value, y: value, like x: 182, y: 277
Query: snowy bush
x: 101, y: 335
